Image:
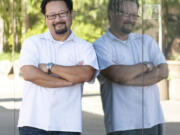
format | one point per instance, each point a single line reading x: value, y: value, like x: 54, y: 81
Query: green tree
x: 23, y: 18
x: 34, y: 19
x: 11, y: 13
x: 5, y: 14
x: 90, y: 19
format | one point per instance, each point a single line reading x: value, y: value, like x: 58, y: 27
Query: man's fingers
x: 80, y: 63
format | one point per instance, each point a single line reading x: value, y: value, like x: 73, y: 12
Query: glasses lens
x: 60, y: 14
x: 51, y: 17
x: 63, y: 14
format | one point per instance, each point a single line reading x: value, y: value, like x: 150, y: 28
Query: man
x: 131, y: 65
x: 54, y: 66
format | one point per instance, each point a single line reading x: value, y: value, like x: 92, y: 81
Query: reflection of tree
x: 171, y: 25
x: 175, y: 48
x: 90, y: 20
x: 171, y: 12
x: 149, y: 20
x: 155, y: 12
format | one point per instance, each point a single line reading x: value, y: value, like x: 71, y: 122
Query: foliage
x: 8, y: 56
x: 11, y: 13
x: 87, y: 26
x: 36, y: 24
x: 89, y: 20
x: 5, y: 14
x: 37, y: 28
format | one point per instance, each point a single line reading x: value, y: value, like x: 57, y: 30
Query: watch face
x: 150, y: 66
x: 49, y: 66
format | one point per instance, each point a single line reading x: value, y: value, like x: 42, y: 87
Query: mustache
x: 59, y: 23
x: 129, y: 23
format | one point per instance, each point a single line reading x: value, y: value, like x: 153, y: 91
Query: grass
x: 8, y: 56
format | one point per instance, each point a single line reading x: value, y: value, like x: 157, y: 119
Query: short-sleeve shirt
x: 54, y: 109
x: 122, y: 104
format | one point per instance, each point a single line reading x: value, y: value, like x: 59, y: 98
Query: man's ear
x: 45, y: 19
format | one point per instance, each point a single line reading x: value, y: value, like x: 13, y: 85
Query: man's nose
x: 132, y: 19
x: 58, y: 17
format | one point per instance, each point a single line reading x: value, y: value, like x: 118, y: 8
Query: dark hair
x: 114, y: 5
x: 69, y: 4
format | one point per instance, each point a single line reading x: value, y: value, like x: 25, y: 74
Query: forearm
x: 56, y: 83
x: 34, y: 75
x: 157, y: 74
x: 123, y: 73
x: 145, y: 79
x: 75, y: 74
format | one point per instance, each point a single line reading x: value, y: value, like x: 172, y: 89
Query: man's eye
x: 62, y: 14
x: 52, y: 15
x: 126, y: 13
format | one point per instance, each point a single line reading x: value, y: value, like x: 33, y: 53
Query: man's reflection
x: 131, y: 65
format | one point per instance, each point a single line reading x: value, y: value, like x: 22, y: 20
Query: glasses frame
x: 62, y: 14
x: 127, y: 14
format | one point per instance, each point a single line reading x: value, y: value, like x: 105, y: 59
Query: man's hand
x: 80, y: 63
x: 43, y: 67
x: 76, y: 74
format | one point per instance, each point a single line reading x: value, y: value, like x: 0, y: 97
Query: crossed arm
x: 136, y: 75
x: 75, y: 74
x: 65, y: 75
x: 35, y: 75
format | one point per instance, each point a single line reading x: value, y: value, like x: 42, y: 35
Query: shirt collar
x: 113, y: 37
x: 47, y: 35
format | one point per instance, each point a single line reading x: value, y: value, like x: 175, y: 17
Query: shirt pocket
x: 65, y: 55
x: 122, y: 55
x: 45, y: 54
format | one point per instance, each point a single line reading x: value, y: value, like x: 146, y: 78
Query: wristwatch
x: 49, y: 67
x: 149, y: 66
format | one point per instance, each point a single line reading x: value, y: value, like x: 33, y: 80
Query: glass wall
x: 158, y: 18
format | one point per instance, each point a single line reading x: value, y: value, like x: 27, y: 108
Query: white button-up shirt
x: 54, y: 109
x: 122, y: 104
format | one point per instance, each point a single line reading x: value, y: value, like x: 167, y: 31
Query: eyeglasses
x: 60, y: 14
x: 126, y: 14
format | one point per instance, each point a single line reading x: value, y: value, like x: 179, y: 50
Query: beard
x: 60, y: 31
x: 127, y: 28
